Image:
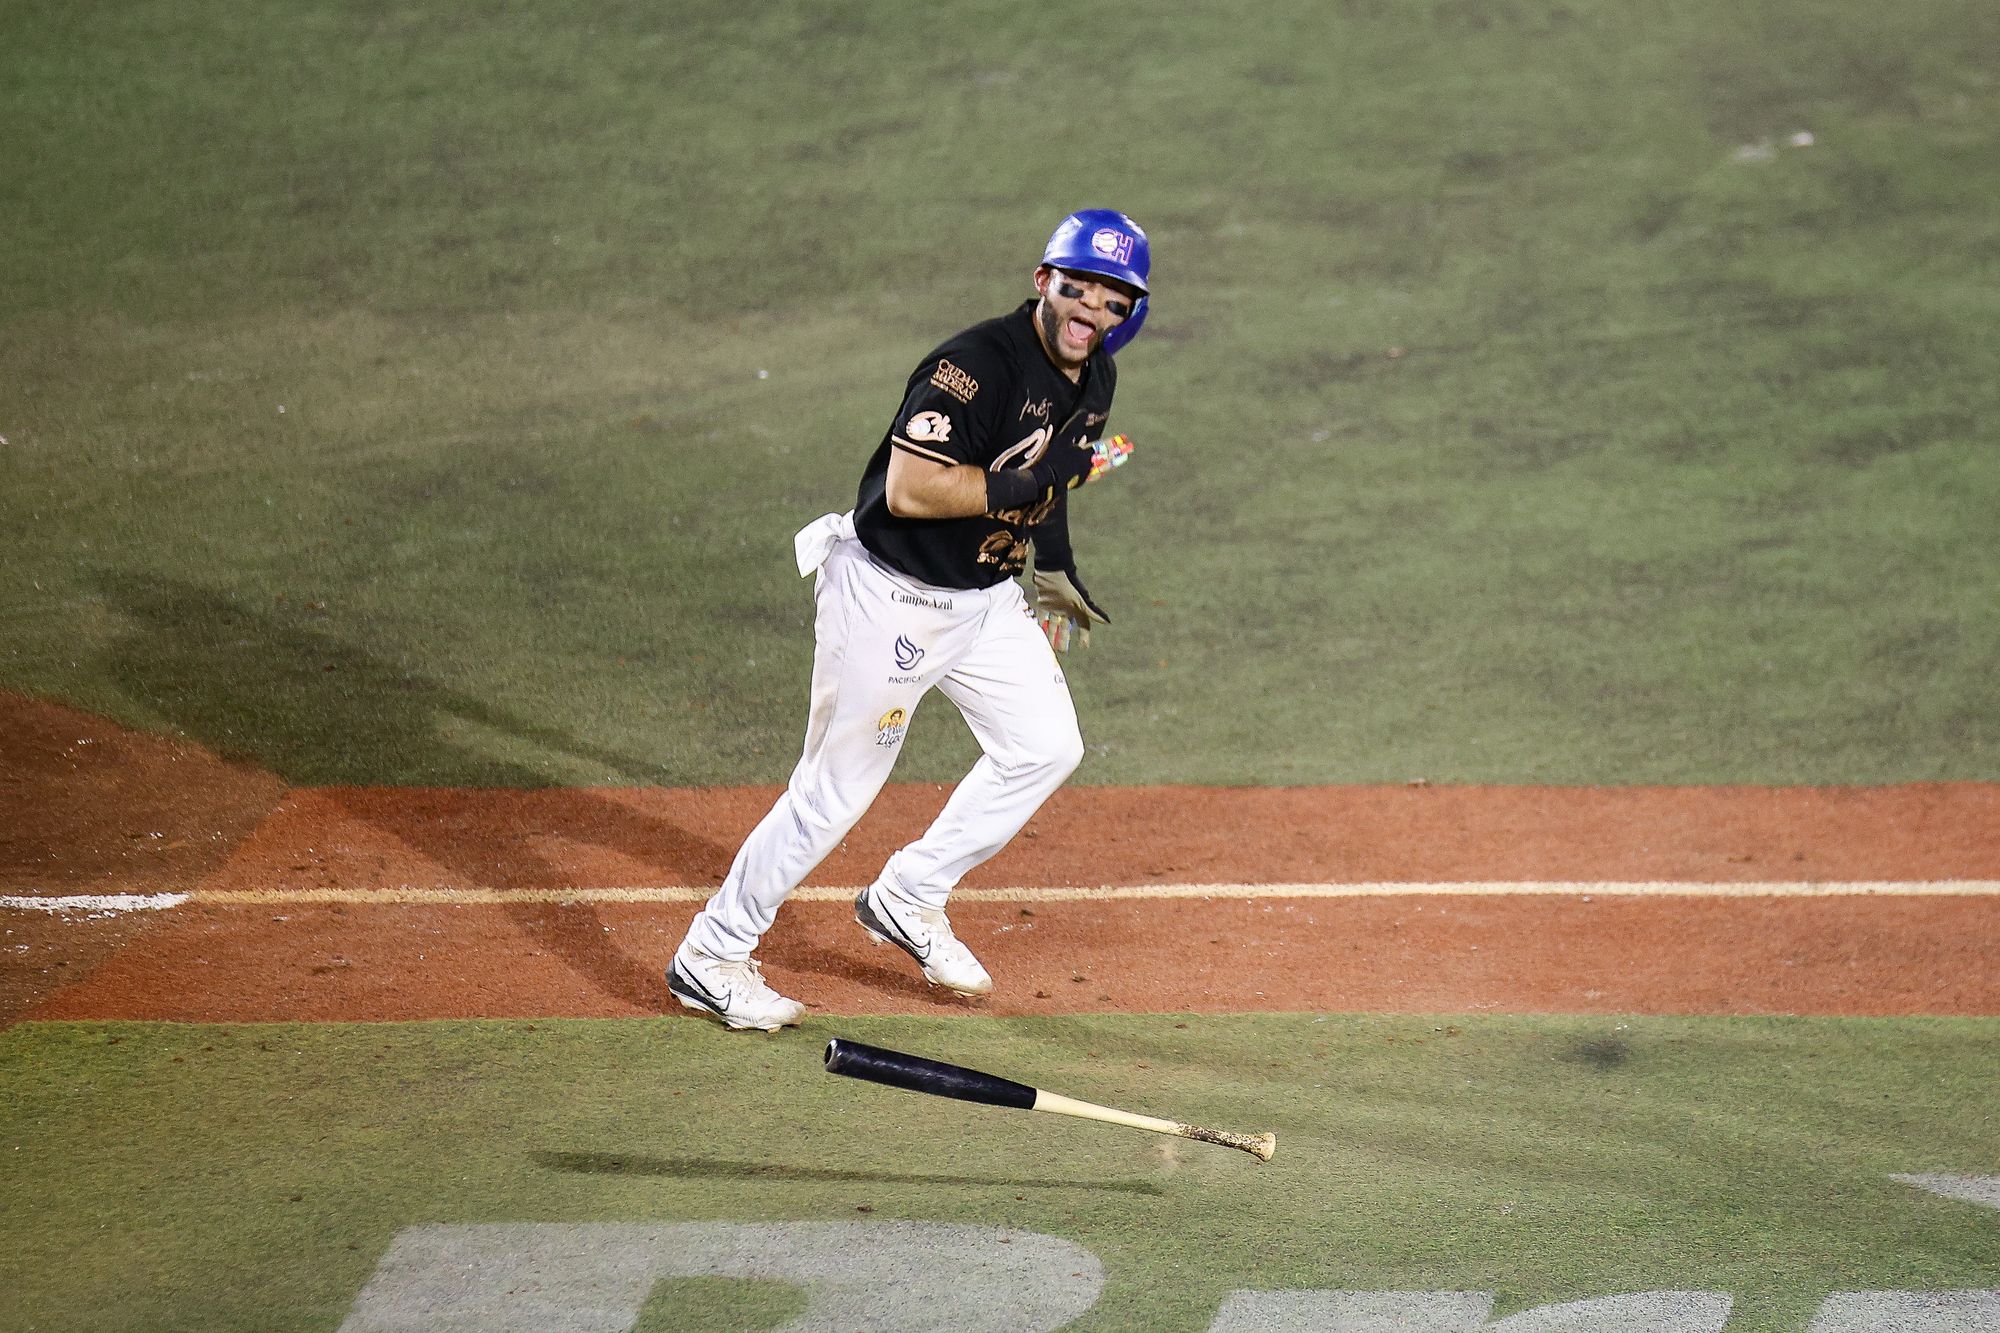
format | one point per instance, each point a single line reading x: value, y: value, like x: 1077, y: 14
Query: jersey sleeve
x: 1051, y: 537
x: 948, y: 413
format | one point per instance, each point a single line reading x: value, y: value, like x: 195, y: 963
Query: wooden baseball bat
x: 916, y: 1074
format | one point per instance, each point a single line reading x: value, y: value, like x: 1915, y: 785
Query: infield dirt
x: 279, y: 927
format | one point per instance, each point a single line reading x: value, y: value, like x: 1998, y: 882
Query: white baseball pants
x: 883, y: 641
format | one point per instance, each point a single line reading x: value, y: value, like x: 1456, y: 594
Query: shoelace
x: 941, y: 932
x: 748, y: 971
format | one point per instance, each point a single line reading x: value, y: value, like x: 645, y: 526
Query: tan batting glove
x: 1064, y: 610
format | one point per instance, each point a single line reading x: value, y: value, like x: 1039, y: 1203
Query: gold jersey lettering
x: 954, y: 381
x: 1005, y: 549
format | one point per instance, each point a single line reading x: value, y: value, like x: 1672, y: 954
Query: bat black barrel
x: 859, y: 1060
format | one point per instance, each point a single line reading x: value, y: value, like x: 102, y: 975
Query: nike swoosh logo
x: 888, y: 923
x: 705, y: 995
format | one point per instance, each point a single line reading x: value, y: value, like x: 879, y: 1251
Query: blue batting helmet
x: 1107, y: 244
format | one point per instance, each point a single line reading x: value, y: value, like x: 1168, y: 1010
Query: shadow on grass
x: 699, y: 1168
x: 312, y: 708
x: 280, y: 687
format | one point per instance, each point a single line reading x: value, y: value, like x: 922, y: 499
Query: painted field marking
x: 599, y: 1277
x: 1582, y: 889
x: 97, y: 904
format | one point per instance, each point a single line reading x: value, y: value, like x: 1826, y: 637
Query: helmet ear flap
x: 1128, y: 328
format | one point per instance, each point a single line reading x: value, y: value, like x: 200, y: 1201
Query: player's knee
x: 825, y: 814
x: 1044, y: 760
x: 1063, y: 755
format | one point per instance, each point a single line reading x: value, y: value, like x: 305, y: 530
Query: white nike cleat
x: 925, y: 935
x: 731, y: 991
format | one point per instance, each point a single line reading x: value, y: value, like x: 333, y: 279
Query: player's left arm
x: 1063, y: 606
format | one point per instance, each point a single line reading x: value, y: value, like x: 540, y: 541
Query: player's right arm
x: 920, y: 487
x: 939, y: 441
x: 942, y: 438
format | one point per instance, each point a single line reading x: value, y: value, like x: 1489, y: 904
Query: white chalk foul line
x: 97, y: 904
x: 456, y: 897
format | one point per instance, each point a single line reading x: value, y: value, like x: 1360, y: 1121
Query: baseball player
x: 916, y: 590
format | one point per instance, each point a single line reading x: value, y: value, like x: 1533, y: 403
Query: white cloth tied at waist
x: 817, y: 538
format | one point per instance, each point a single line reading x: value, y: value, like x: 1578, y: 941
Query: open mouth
x: 1079, y: 331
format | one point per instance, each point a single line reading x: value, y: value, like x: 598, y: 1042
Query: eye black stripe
x: 1072, y: 292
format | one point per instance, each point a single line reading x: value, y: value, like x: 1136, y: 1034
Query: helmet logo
x: 1112, y: 244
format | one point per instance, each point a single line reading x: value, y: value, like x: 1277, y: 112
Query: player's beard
x: 1051, y: 326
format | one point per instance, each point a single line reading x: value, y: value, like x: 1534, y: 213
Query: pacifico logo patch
x: 954, y: 381
x: 928, y: 428
x: 889, y: 731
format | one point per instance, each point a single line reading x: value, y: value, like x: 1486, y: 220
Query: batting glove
x: 1065, y: 466
x: 1108, y: 454
x: 1064, y: 610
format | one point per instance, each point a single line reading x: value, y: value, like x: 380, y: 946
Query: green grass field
x: 405, y: 394
x: 1545, y: 1160
x: 402, y: 395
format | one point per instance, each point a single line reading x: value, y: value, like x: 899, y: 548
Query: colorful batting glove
x: 1064, y: 610
x: 1059, y: 629
x: 1108, y: 454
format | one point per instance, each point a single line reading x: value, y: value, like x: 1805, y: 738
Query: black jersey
x: 990, y: 396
